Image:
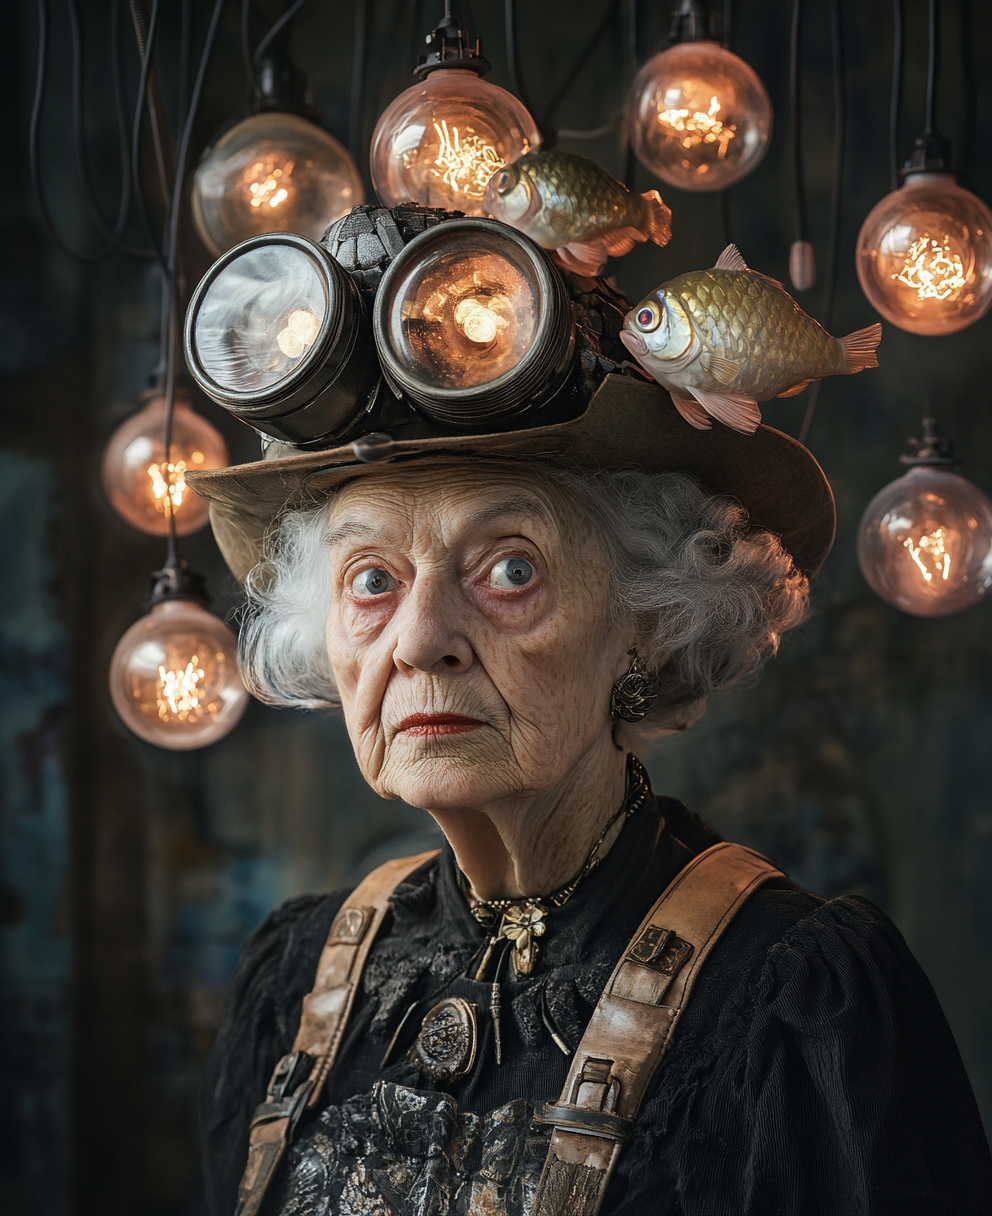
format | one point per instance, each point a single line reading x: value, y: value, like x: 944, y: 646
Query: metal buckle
x: 293, y: 1070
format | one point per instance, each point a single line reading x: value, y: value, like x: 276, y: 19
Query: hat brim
x: 628, y: 424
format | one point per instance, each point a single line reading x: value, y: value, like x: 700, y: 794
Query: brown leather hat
x: 628, y: 424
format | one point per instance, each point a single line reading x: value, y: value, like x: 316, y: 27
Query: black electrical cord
x: 969, y: 79
x: 513, y: 56
x: 726, y: 34
x: 146, y: 48
x: 933, y: 56
x: 185, y: 37
x: 113, y: 240
x: 795, y: 105
x: 583, y: 58
x: 895, y: 96
x: 359, y: 61
x: 114, y: 237
x: 246, y: 61
x: 276, y: 29
x: 634, y: 55
x: 172, y: 251
x: 836, y: 185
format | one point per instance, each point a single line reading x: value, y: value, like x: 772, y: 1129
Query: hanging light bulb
x: 141, y: 485
x: 698, y: 115
x: 272, y: 173
x: 174, y: 676
x: 925, y: 252
x: 925, y: 540
x: 440, y: 142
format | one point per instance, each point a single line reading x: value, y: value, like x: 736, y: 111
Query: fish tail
x: 657, y: 218
x: 859, y: 349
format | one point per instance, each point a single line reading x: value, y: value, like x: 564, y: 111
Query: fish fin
x: 619, y: 241
x: 731, y: 259
x: 583, y: 257
x: 694, y: 414
x: 797, y: 388
x: 658, y: 218
x: 859, y: 349
x: 736, y: 410
x: 724, y: 370
x: 586, y: 257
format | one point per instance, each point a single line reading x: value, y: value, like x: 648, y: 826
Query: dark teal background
x: 130, y: 876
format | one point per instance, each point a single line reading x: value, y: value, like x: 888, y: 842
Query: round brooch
x: 446, y: 1045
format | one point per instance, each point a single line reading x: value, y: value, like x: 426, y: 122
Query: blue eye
x: 373, y: 582
x: 504, y: 182
x: 511, y: 572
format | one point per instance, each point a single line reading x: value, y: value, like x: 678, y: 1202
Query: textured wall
x: 129, y: 876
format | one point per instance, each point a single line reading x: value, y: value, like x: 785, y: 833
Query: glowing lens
x: 468, y: 318
x: 259, y: 317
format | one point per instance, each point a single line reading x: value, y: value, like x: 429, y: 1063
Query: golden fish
x: 722, y: 340
x: 572, y: 205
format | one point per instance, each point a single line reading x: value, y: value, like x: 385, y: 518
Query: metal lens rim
x: 547, y: 359
x: 306, y: 379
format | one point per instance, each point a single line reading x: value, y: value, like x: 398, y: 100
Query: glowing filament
x: 169, y: 481
x: 932, y: 269
x: 477, y: 321
x: 301, y: 329
x: 267, y: 181
x: 931, y: 545
x: 465, y: 162
x: 179, y: 693
x: 698, y: 127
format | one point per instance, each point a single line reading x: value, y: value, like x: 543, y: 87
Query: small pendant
x: 446, y: 1045
x: 522, y: 925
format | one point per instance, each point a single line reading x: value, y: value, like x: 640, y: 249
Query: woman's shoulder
x: 813, y: 1059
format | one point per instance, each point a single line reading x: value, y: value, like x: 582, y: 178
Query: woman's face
x: 469, y: 633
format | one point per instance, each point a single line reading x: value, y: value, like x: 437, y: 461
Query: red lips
x: 438, y: 724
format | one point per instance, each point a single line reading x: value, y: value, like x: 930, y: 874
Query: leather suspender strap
x: 299, y: 1077
x: 632, y: 1025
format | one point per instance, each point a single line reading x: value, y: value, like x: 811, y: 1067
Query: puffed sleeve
x: 825, y: 1082
x: 275, y: 971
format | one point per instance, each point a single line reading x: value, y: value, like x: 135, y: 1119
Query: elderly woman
x: 586, y: 1001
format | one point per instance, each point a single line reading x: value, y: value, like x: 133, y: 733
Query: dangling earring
x: 630, y: 699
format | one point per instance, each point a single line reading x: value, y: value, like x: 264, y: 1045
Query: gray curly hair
x: 708, y: 597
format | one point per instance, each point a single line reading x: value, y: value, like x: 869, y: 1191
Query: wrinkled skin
x: 417, y: 627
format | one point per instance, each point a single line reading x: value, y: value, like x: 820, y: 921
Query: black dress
x: 813, y: 1073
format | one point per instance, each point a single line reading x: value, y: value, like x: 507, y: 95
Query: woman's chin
x: 449, y: 772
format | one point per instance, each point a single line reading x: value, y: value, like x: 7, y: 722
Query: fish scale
x: 571, y: 205
x: 723, y: 339
x: 743, y: 316
x: 591, y: 200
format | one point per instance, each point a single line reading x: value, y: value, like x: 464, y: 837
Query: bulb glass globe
x: 699, y: 117
x: 174, y: 677
x: 925, y: 543
x: 925, y: 256
x: 142, y: 486
x: 272, y: 173
x: 440, y: 142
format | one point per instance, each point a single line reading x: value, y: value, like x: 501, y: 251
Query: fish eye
x: 648, y: 317
x: 511, y: 572
x: 372, y: 581
x: 504, y: 181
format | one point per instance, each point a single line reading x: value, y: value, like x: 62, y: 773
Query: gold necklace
x: 521, y: 921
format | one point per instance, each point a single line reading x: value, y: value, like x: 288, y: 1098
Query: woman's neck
x: 535, y: 845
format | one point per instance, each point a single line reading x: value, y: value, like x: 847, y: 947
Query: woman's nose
x: 428, y: 636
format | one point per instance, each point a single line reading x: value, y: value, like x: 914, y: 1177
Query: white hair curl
x: 707, y: 596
